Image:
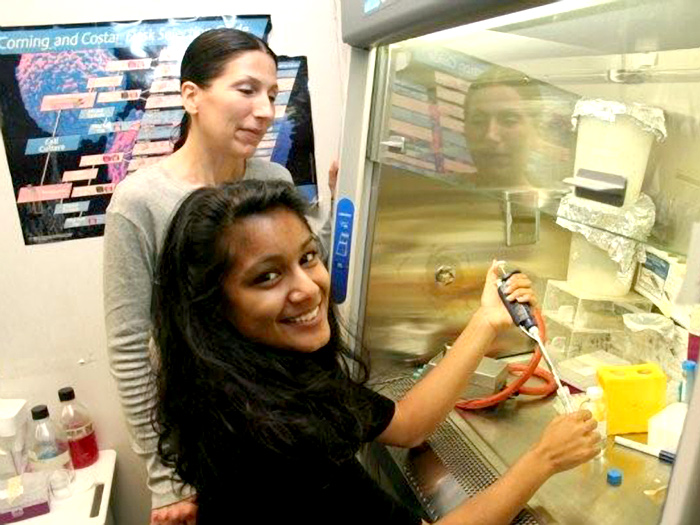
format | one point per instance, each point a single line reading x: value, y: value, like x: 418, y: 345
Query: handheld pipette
x: 522, y: 316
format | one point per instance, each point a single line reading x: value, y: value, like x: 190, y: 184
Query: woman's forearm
x: 501, y: 502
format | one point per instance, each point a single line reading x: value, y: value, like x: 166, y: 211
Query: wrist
x: 478, y: 335
x: 491, y: 318
x: 482, y: 322
x: 538, y: 464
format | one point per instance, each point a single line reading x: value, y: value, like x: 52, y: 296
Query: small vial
x: 598, y: 409
x: 596, y: 404
x: 689, y: 370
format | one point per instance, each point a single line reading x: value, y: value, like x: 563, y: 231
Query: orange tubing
x: 524, y: 372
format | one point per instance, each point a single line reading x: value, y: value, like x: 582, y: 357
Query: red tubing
x: 524, y: 372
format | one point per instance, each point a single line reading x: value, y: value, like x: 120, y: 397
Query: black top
x: 267, y: 488
x: 66, y: 394
x: 40, y: 412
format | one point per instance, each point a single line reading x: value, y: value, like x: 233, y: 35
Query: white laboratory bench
x: 75, y: 510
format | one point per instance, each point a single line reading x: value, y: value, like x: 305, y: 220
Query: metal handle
x: 395, y: 144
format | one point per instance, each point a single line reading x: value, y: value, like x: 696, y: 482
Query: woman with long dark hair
x: 258, y: 409
x: 228, y: 86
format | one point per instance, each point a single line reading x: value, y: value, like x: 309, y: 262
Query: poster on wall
x: 84, y: 106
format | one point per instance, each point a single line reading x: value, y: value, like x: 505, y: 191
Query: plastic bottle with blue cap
x: 688, y: 383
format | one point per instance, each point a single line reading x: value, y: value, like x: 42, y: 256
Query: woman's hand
x: 519, y: 289
x: 568, y: 441
x: 181, y: 513
x: 333, y: 177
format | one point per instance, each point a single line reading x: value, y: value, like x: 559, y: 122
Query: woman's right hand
x: 519, y: 288
x: 568, y: 441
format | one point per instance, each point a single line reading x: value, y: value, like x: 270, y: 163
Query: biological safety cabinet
x: 560, y: 137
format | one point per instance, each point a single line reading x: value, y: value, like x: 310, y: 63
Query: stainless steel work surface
x: 471, y: 448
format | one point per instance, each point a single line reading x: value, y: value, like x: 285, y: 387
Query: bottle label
x: 60, y: 461
x: 79, y: 432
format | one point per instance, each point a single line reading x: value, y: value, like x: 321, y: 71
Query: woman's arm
x: 427, y: 404
x: 128, y: 268
x: 567, y: 441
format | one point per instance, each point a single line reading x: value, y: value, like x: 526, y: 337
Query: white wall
x: 51, y: 295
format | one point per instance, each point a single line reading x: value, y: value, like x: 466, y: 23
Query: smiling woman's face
x: 234, y: 112
x: 277, y: 286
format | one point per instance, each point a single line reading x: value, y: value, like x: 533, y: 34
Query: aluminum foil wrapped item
x: 617, y: 231
x: 649, y: 118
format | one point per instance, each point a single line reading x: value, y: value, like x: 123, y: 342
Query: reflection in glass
x: 472, y: 123
x: 501, y: 111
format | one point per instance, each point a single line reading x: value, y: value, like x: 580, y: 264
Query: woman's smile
x: 309, y: 318
x: 253, y: 136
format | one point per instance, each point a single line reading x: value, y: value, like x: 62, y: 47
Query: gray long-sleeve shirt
x: 137, y: 219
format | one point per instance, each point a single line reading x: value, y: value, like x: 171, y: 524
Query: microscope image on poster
x: 84, y: 106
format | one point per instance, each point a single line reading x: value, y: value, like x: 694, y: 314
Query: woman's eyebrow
x: 274, y: 257
x: 247, y: 78
x: 254, y: 80
x: 311, y: 239
x: 262, y: 261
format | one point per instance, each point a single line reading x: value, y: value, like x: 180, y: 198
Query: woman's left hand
x: 519, y: 289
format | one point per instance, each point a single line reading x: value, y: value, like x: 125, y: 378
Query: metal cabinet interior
x: 432, y: 245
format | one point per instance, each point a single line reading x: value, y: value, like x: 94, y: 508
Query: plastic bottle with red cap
x: 76, y: 421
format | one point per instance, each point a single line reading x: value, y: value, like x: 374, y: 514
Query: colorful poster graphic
x: 84, y: 106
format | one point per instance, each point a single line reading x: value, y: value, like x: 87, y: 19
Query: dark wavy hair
x: 218, y: 392
x: 206, y: 58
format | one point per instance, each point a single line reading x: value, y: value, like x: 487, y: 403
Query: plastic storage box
x: 579, y: 323
x: 24, y: 497
x: 665, y: 428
